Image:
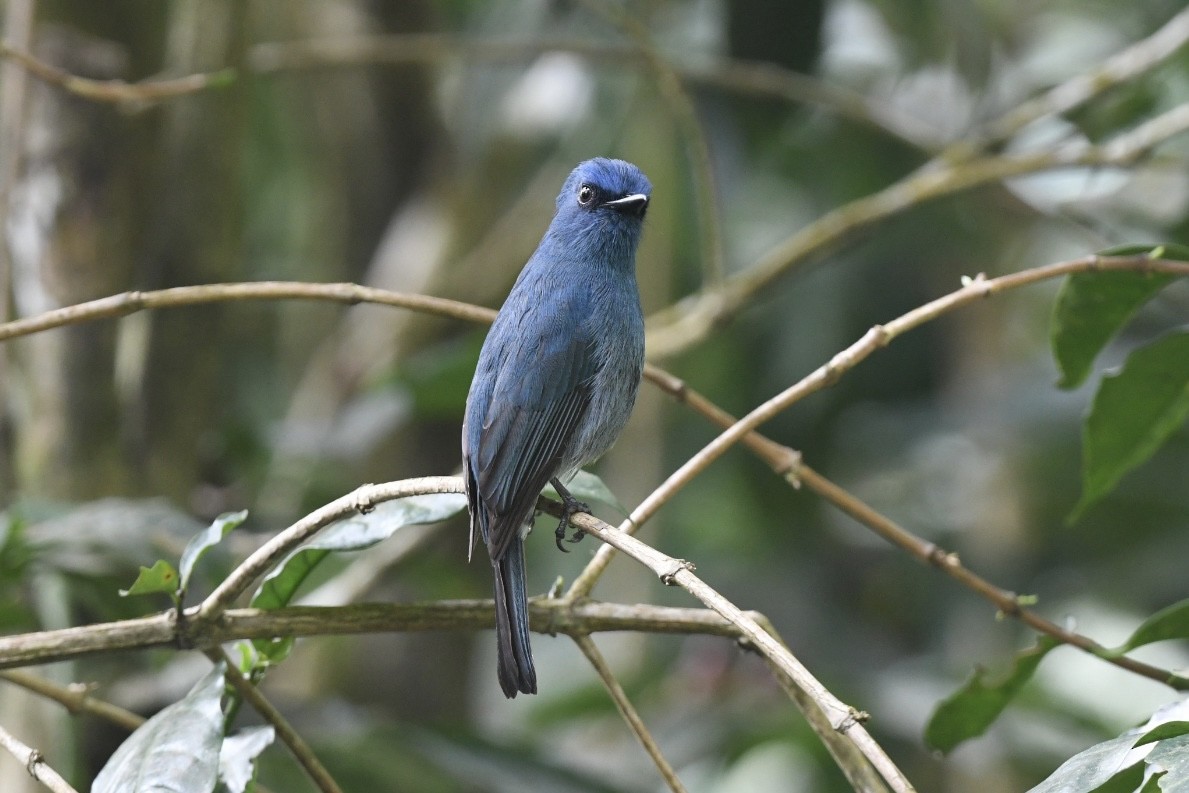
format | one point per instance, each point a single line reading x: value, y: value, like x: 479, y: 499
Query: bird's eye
x: 586, y: 195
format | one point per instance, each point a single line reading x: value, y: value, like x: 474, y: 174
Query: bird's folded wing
x: 541, y: 396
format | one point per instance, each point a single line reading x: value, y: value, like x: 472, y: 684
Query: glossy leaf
x: 1098, y: 767
x: 353, y: 534
x: 1171, y: 622
x: 1172, y: 757
x: 176, y: 750
x: 1090, y: 309
x: 969, y: 711
x: 1134, y: 412
x: 161, y: 577
x: 207, y: 538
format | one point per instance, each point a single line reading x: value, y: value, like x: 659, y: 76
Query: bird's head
x: 612, y: 190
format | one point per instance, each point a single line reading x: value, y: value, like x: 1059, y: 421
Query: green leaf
x: 237, y: 756
x: 176, y: 750
x: 1090, y: 309
x: 161, y: 577
x: 1163, y: 731
x: 1134, y: 412
x: 205, y: 539
x: 1171, y: 622
x: 353, y: 534
x: 585, y: 486
x: 969, y: 711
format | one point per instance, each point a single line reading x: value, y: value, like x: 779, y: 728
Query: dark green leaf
x: 356, y: 533
x: 237, y: 756
x: 1163, y: 731
x: 161, y: 577
x: 205, y: 539
x: 1171, y: 622
x: 1134, y: 412
x: 969, y: 711
x: 1126, y: 781
x: 177, y: 750
x: 1090, y: 309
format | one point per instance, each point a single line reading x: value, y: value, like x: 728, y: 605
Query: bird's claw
x: 570, y: 507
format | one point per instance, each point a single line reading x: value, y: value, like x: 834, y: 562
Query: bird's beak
x: 633, y: 204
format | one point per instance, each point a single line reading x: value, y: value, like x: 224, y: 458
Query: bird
x: 555, y: 382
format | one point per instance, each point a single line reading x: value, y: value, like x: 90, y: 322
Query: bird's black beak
x: 633, y: 204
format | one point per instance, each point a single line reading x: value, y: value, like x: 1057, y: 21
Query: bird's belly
x: 613, y: 396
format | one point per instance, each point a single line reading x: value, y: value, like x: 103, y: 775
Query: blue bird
x: 555, y: 383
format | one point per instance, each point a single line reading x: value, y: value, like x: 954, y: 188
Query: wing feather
x: 541, y: 395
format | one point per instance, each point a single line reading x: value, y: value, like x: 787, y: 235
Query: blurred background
x: 418, y: 146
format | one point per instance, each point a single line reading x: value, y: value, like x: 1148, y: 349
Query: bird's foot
x: 570, y: 506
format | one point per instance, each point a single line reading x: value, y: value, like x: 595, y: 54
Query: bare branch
x: 689, y: 321
x: 362, y: 499
x: 842, y: 718
x: 290, y: 737
x: 628, y: 711
x: 685, y: 116
x: 117, y: 90
x: 34, y: 763
x: 76, y: 698
x: 550, y: 616
x: 875, y: 339
x: 130, y: 302
x: 1122, y: 67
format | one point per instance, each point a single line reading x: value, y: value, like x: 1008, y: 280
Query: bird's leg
x: 569, y: 506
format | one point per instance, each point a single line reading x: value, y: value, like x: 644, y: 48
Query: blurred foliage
x: 436, y: 174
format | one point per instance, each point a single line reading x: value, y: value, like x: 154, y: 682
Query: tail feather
x: 516, y: 672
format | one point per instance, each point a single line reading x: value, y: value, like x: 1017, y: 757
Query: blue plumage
x: 556, y: 379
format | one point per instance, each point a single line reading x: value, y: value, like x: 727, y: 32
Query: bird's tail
x: 516, y: 670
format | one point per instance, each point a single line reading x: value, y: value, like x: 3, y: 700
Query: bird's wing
x: 540, y: 397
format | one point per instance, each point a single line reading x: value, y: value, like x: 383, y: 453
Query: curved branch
x: 117, y: 90
x: 876, y: 338
x: 131, y: 302
x: 362, y: 500
x: 842, y: 718
x: 689, y: 321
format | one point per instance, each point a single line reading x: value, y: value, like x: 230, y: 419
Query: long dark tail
x: 516, y: 670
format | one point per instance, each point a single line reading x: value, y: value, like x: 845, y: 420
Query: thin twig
x: 34, y: 763
x: 290, y: 737
x: 1007, y: 602
x: 875, y: 339
x: 628, y: 711
x: 76, y: 698
x: 787, y: 464
x: 690, y: 320
x: 1122, y: 67
x: 755, y: 78
x: 362, y: 500
x: 131, y: 302
x: 117, y: 91
x: 841, y: 717
x: 685, y: 116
